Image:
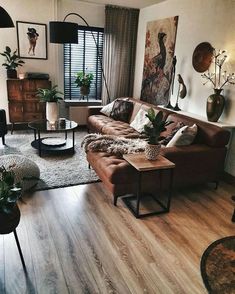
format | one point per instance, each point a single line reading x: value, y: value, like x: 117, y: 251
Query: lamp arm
x: 97, y: 48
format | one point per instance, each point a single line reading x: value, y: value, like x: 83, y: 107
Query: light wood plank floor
x: 75, y: 241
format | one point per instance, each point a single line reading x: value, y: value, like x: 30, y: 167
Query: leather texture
x: 201, y: 162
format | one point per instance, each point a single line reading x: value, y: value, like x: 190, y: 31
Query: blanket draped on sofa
x: 112, y: 144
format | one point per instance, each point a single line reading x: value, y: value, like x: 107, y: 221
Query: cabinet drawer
x: 30, y: 116
x: 30, y: 96
x: 33, y: 85
x: 15, y: 90
x: 16, y: 112
x: 34, y: 107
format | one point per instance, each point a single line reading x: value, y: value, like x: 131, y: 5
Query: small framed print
x: 32, y: 40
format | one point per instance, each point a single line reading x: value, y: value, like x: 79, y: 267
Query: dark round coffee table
x: 52, y: 144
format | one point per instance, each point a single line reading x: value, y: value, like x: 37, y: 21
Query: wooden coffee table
x: 45, y: 126
x: 142, y: 165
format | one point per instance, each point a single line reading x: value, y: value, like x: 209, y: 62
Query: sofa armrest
x: 94, y: 110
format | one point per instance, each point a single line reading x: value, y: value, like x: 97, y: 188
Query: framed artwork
x: 32, y: 40
x: 158, y: 60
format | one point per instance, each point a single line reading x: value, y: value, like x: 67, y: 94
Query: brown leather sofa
x: 201, y: 162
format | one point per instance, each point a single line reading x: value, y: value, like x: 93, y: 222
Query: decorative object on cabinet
x: 51, y: 97
x: 174, y: 61
x: 32, y: 40
x: 202, y: 57
x: 6, y: 21
x: 24, y: 105
x: 216, y: 101
x: 159, y: 54
x: 12, y: 61
x: 181, y: 93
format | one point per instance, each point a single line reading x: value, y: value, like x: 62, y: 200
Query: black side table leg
x: 19, y: 249
x: 35, y: 137
x: 73, y: 140
x: 39, y: 144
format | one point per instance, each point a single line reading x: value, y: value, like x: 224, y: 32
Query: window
x: 84, y: 57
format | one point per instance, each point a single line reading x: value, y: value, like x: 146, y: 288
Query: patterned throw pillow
x: 122, y: 110
x: 140, y: 121
x: 184, y: 136
x: 107, y: 109
x: 167, y: 139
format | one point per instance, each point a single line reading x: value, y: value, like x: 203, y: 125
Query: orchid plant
x: 219, y: 78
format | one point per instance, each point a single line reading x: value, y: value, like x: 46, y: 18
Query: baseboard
x: 230, y: 179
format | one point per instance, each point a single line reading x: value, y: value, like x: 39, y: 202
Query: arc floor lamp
x: 5, y: 19
x: 62, y: 32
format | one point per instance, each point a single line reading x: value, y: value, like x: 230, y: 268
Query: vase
x: 11, y: 74
x: 215, y: 105
x: 51, y: 112
x: 9, y: 221
x: 152, y: 151
x: 84, y: 90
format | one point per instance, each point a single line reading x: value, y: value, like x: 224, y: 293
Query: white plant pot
x: 51, y: 112
x: 152, y: 151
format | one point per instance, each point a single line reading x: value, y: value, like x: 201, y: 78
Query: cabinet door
x: 15, y: 90
x: 36, y: 107
x: 33, y: 85
x: 16, y: 112
x: 31, y: 116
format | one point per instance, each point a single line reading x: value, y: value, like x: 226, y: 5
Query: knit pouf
x: 22, y: 167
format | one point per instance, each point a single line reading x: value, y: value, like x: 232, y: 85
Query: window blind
x: 84, y: 57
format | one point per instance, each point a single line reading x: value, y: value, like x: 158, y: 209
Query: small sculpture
x: 181, y: 93
x: 172, y: 83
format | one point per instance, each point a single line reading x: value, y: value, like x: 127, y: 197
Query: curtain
x: 120, y: 37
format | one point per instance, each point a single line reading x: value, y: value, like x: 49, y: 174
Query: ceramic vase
x: 84, y: 90
x: 9, y: 221
x: 51, y: 112
x: 215, y: 105
x: 11, y: 74
x: 152, y: 151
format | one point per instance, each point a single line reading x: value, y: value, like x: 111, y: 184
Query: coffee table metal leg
x: 19, y: 249
x: 73, y: 139
x: 35, y: 134
x: 39, y: 144
x: 66, y: 135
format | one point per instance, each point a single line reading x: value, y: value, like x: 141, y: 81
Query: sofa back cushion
x: 122, y: 110
x: 208, y: 134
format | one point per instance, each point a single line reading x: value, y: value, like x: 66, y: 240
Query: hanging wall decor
x: 32, y: 40
x: 158, y: 60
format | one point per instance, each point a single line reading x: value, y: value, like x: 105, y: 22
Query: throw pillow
x: 106, y: 110
x: 184, y: 136
x: 167, y: 139
x: 140, y: 120
x: 122, y: 110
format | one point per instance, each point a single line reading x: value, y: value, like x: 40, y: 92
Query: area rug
x: 218, y: 266
x: 60, y: 170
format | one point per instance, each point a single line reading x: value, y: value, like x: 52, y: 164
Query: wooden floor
x: 75, y: 241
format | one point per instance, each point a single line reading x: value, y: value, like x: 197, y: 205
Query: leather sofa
x: 201, y: 162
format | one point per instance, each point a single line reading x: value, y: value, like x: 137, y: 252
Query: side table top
x: 139, y: 162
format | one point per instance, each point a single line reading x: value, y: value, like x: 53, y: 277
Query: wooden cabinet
x: 24, y: 105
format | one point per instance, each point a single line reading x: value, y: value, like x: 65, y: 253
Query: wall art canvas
x: 158, y: 60
x: 32, y: 40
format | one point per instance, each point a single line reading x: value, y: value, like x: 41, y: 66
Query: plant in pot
x: 12, y: 62
x: 51, y: 97
x: 9, y: 194
x: 84, y: 80
x: 153, y: 131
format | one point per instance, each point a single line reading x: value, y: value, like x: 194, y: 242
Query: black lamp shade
x: 63, y: 32
x: 5, y: 19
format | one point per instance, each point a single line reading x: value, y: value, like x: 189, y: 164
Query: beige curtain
x: 121, y: 25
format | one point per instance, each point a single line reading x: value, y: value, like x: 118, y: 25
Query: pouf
x: 22, y: 167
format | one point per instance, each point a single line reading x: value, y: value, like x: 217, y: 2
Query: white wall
x: 199, y: 20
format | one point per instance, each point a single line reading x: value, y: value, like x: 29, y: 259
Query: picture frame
x: 32, y: 40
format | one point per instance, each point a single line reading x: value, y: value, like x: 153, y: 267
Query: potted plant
x: 51, y: 97
x: 84, y: 80
x: 12, y: 62
x: 153, y: 130
x: 9, y: 194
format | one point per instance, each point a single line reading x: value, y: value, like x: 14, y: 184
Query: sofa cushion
x: 120, y: 128
x: 122, y: 110
x: 97, y: 122
x: 136, y: 108
x: 184, y: 136
x: 107, y: 109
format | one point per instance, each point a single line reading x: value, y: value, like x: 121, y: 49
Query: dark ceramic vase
x: 11, y: 74
x: 215, y: 105
x: 85, y: 90
x: 9, y: 221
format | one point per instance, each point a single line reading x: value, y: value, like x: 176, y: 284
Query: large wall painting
x: 158, y: 60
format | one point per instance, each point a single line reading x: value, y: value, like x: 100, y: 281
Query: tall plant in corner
x: 153, y: 131
x: 12, y: 61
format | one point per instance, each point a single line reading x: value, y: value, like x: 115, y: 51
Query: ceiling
x: 126, y: 3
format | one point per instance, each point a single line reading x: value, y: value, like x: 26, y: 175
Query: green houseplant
x: 12, y: 61
x: 153, y: 130
x: 84, y: 80
x: 10, y: 192
x: 51, y: 97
